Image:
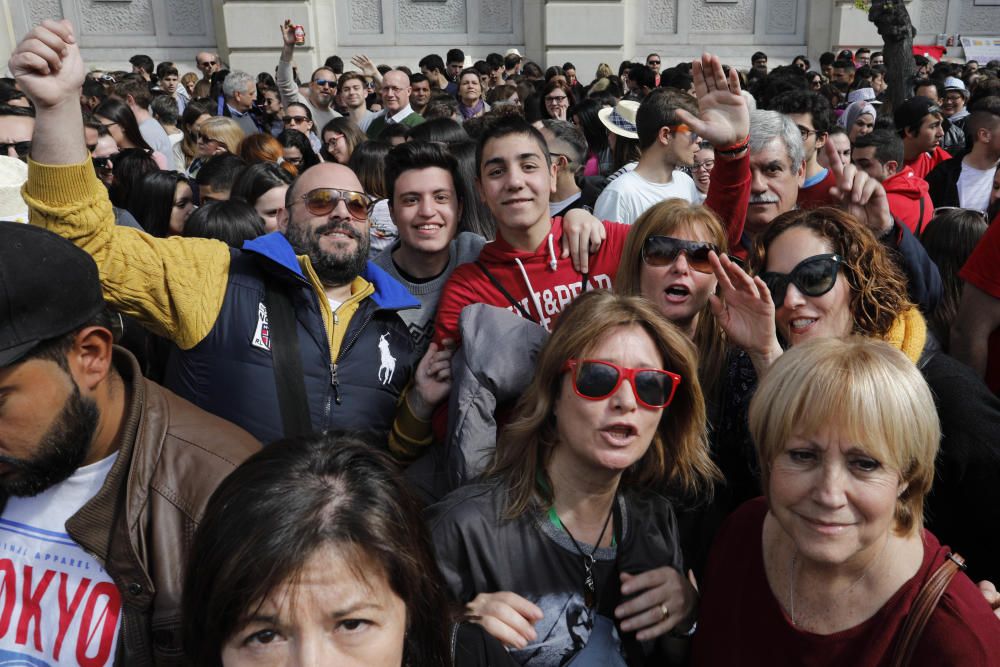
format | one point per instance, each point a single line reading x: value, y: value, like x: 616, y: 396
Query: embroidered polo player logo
x: 388, y: 366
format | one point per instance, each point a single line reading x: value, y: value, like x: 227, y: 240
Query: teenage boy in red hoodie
x: 880, y: 154
x: 919, y: 123
x: 521, y: 270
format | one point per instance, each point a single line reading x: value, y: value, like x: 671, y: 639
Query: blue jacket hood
x: 389, y: 293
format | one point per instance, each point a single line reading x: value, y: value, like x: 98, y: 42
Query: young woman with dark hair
x: 162, y: 202
x: 297, y: 150
x: 121, y: 124
x: 130, y: 165
x: 584, y: 115
x: 263, y: 186
x: 340, y: 137
x: 232, y: 221
x: 368, y: 162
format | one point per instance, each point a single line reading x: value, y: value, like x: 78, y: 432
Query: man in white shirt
x: 396, y: 103
x: 967, y: 181
x: 666, y: 144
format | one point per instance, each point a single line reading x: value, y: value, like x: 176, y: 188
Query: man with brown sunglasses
x: 295, y: 332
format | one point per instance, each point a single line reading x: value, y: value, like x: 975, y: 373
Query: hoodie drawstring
x: 553, y: 264
x: 531, y: 290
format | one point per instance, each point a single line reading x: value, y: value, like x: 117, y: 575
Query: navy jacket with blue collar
x: 230, y: 373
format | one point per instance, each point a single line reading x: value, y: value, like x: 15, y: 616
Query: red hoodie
x: 923, y: 163
x: 909, y: 199
x: 540, y: 282
x: 543, y: 284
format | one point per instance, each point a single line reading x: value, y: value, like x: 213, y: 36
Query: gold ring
x: 664, y: 610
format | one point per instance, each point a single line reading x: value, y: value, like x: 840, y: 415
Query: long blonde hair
x: 678, y: 453
x: 667, y: 219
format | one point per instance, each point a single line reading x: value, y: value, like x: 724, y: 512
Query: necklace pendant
x: 589, y: 590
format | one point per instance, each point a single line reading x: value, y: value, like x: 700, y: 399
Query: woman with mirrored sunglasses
x: 822, y: 274
x: 666, y: 260
x: 565, y: 551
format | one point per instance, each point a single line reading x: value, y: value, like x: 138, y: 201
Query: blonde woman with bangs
x: 821, y: 273
x: 565, y: 551
x: 832, y: 559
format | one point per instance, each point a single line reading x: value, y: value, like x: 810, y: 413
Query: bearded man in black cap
x: 103, y: 475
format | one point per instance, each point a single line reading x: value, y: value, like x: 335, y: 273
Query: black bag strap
x: 289, y: 380
x: 503, y: 290
x: 920, y: 220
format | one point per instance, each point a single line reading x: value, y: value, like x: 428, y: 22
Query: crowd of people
x: 487, y: 365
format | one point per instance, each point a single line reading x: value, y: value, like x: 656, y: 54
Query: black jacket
x: 943, y: 182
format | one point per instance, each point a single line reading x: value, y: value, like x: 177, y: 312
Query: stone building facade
x: 586, y: 32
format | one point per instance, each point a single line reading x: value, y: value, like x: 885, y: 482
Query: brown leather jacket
x: 171, y: 456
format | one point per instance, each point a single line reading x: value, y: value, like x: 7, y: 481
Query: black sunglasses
x: 104, y: 163
x: 663, y: 250
x: 22, y: 148
x: 813, y: 276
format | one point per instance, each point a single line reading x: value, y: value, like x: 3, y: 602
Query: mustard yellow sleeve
x: 410, y: 435
x: 174, y: 286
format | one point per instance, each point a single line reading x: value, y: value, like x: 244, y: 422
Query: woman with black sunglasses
x: 666, y: 260
x: 565, y: 551
x: 822, y: 274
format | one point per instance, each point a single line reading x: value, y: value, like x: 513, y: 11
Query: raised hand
x: 723, y: 117
x: 48, y: 66
x: 859, y: 194
x: 288, y: 33
x: 745, y: 312
x: 366, y: 65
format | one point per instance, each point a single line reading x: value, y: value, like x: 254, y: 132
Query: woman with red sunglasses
x: 564, y: 551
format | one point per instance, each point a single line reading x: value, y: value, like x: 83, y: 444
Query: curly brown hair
x: 878, y: 286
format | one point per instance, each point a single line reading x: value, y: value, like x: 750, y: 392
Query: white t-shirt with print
x: 58, y: 606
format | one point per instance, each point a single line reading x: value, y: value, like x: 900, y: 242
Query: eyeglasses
x: 207, y: 63
x: 681, y: 127
x: 596, y: 380
x: 334, y: 138
x: 322, y: 202
x: 663, y: 250
x: 329, y: 83
x: 556, y: 99
x: 813, y: 276
x: 289, y: 120
x: 706, y: 165
x: 22, y: 148
x: 806, y: 132
x: 198, y: 137
x: 652, y: 62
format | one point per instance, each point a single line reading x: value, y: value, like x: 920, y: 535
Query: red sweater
x: 818, y: 194
x: 741, y: 623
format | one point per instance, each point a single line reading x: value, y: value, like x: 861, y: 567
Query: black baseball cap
x: 48, y: 287
x: 912, y: 111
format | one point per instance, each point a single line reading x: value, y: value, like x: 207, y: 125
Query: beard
x: 333, y: 268
x: 59, y: 453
